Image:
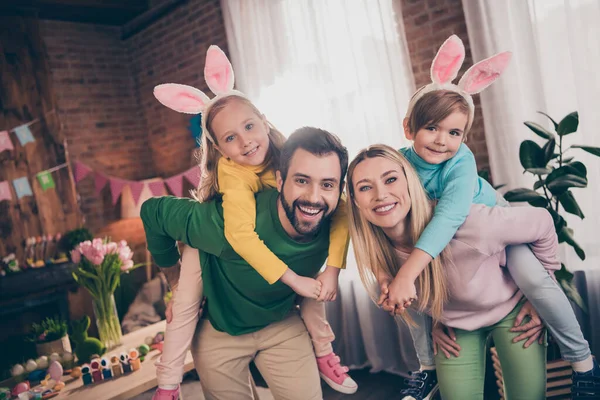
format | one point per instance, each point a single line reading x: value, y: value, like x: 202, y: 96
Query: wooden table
x: 126, y: 386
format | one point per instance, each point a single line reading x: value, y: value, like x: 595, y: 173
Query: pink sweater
x: 481, y: 291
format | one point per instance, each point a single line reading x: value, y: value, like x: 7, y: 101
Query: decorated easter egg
x: 149, y: 340
x: 55, y: 370
x: 42, y: 362
x: 144, y: 349
x: 76, y: 372
x: 31, y: 365
x: 17, y: 370
x: 20, y: 388
x: 54, y: 357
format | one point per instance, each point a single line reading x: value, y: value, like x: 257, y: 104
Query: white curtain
x: 334, y: 64
x: 555, y: 44
x: 340, y: 65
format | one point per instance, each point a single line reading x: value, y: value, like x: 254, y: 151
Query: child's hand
x: 329, y: 281
x: 306, y: 287
x: 384, y: 284
x: 402, y: 292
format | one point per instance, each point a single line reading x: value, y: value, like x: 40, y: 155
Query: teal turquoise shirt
x: 239, y: 300
x: 456, y: 186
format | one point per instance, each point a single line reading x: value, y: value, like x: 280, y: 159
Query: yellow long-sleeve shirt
x: 238, y: 184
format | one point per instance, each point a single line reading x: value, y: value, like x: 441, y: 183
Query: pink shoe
x: 166, y: 394
x: 335, y: 374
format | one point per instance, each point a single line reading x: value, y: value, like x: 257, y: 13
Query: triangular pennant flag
x: 157, y: 188
x: 136, y: 190
x: 193, y: 175
x: 116, y: 187
x: 175, y: 184
x: 5, y: 142
x: 46, y: 181
x: 22, y: 187
x: 24, y: 134
x: 5, y: 191
x: 80, y: 171
x: 99, y: 182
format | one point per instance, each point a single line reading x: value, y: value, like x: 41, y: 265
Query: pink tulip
x: 76, y: 255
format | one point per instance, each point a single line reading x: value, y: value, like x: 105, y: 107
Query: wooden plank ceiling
x: 105, y: 12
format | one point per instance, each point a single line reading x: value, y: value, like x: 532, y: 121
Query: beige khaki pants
x: 282, y: 352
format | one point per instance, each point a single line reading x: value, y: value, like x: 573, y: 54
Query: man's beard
x: 308, y: 230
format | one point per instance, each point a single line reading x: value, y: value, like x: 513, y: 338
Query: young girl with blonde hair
x: 239, y: 153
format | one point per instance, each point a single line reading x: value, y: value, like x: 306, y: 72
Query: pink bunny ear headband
x: 446, y: 65
x: 218, y: 74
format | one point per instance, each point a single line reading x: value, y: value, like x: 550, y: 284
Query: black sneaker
x: 422, y: 385
x: 586, y: 385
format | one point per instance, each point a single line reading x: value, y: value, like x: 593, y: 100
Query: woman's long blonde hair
x: 373, y: 250
x: 209, y: 156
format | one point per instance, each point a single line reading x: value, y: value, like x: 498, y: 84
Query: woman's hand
x: 532, y: 330
x: 444, y: 338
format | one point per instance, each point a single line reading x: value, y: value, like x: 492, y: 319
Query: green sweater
x: 239, y: 300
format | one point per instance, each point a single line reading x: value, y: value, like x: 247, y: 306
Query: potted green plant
x: 50, y: 336
x: 556, y: 175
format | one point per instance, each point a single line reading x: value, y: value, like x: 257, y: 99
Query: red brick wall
x: 173, y: 50
x: 102, y: 121
x: 104, y: 92
x: 427, y: 24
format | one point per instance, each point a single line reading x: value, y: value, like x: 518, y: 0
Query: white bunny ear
x: 484, y: 73
x: 218, y: 71
x: 182, y: 98
x: 448, y: 60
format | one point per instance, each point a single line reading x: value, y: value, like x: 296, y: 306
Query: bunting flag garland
x: 175, y: 184
x: 5, y: 191
x: 46, y: 181
x: 5, y: 143
x: 136, y: 190
x: 24, y: 134
x: 99, y: 182
x: 80, y: 171
x: 157, y: 188
x: 22, y: 187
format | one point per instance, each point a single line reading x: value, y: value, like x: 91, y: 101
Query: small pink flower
x: 76, y: 255
x: 127, y: 265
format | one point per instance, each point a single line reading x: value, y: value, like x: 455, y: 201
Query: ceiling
x: 105, y: 12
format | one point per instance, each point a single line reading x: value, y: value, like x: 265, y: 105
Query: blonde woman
x: 465, y: 288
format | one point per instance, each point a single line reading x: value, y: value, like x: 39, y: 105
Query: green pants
x: 524, y: 370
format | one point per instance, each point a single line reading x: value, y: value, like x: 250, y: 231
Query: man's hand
x: 402, y: 292
x: 444, y: 338
x: 329, y: 283
x: 172, y: 275
x: 532, y: 330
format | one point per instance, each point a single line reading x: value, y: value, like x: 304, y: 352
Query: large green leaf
x: 566, y: 235
x: 538, y: 130
x: 570, y: 204
x: 521, y: 194
x: 576, y: 168
x: 568, y: 124
x: 539, y: 171
x: 550, y: 118
x: 590, y: 149
x: 531, y: 155
x: 560, y: 184
x: 528, y: 195
x: 548, y: 150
